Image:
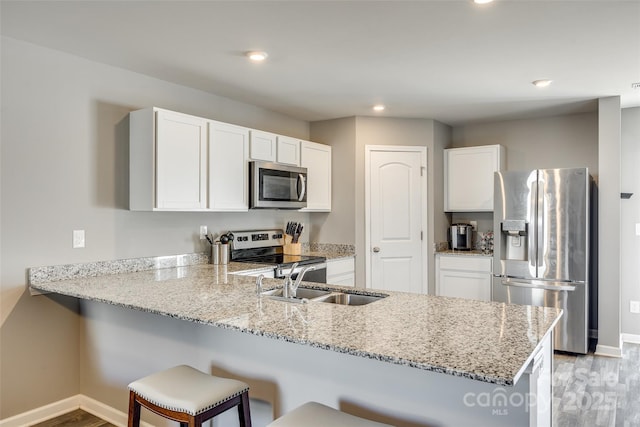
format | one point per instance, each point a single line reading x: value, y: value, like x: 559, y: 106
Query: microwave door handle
x: 304, y: 187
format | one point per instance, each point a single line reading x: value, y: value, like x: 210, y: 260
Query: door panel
x: 395, y: 220
x: 563, y: 235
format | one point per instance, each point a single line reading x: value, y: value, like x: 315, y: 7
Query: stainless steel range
x: 266, y: 247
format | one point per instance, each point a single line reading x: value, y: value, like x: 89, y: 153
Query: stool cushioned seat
x: 314, y: 414
x: 185, y: 389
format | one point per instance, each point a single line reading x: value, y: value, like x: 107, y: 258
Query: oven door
x: 318, y: 275
x: 277, y: 186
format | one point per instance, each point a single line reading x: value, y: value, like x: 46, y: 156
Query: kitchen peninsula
x: 406, y: 359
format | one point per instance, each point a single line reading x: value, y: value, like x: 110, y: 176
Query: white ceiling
x: 449, y: 60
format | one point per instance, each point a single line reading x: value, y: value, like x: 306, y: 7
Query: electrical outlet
x: 474, y: 224
x: 203, y: 232
x: 637, y: 229
x: 634, y: 307
x: 78, y: 239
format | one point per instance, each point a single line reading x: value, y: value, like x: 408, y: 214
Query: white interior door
x: 396, y: 218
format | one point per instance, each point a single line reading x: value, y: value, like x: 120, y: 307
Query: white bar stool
x: 314, y: 414
x: 187, y: 395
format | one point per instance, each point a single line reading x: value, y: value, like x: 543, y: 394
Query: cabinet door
x: 464, y: 284
x: 228, y: 167
x: 181, y: 161
x: 317, y: 159
x: 263, y: 146
x: 341, y: 272
x: 469, y: 177
x: 288, y: 151
x: 463, y: 277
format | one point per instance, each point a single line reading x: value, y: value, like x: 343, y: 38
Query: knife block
x: 290, y: 248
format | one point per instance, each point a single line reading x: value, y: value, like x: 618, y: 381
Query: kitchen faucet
x: 290, y: 287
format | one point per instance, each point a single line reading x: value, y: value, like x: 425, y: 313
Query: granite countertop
x: 485, y: 341
x: 473, y: 252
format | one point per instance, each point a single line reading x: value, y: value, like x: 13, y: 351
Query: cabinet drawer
x: 466, y: 263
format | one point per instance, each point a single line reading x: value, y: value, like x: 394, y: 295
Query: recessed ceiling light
x: 482, y: 1
x: 541, y: 83
x: 378, y: 107
x: 257, y: 56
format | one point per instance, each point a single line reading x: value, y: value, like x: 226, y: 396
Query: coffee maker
x: 461, y: 237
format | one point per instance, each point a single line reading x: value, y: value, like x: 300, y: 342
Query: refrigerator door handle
x: 538, y: 284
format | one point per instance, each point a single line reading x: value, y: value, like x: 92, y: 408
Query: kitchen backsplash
x: 329, y: 247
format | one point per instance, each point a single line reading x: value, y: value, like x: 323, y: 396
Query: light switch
x: 78, y: 239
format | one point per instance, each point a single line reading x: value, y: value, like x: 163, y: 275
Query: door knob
x: 376, y: 249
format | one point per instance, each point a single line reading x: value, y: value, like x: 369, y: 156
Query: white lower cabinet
x: 464, y: 276
x: 341, y: 271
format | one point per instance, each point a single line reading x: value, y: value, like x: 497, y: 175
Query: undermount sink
x: 301, y: 293
x: 304, y: 295
x: 349, y: 299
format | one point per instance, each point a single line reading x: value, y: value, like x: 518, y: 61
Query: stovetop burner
x: 282, y: 260
x: 266, y: 247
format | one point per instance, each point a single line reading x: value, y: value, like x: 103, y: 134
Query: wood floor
x: 588, y: 391
x: 77, y: 418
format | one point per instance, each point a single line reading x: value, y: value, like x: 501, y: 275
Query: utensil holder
x: 292, y: 248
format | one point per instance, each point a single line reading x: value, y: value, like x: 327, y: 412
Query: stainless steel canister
x: 215, y: 253
x: 223, y: 254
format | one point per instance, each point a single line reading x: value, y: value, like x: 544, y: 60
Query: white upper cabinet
x: 228, y: 167
x: 468, y: 177
x: 168, y: 161
x: 179, y: 162
x: 317, y: 159
x: 263, y: 146
x: 288, y: 151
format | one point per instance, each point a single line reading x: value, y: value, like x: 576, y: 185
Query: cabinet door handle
x: 376, y: 249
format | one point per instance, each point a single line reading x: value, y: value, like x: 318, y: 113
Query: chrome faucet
x: 286, y: 288
x: 259, y: 284
x: 294, y: 286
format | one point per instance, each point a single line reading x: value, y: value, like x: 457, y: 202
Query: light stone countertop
x: 485, y: 341
x: 465, y: 253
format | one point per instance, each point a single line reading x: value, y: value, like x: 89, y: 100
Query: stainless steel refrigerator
x: 541, y: 246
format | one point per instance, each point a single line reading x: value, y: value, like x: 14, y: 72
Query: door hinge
x: 421, y: 235
x: 422, y: 168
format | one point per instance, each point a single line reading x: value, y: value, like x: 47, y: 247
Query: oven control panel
x: 257, y: 239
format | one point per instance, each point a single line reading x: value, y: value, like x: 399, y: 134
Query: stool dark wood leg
x: 134, y: 410
x: 244, y: 414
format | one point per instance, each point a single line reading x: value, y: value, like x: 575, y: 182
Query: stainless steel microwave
x: 276, y: 186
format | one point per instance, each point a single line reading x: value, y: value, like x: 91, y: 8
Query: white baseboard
x: 42, y: 413
x: 631, y: 338
x: 609, y: 351
x: 79, y: 401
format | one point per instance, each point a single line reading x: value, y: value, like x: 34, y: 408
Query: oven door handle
x: 285, y: 271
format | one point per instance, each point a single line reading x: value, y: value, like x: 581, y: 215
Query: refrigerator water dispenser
x: 514, y: 240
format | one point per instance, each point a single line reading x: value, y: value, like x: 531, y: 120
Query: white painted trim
x: 631, y: 338
x: 367, y: 207
x: 79, y: 401
x: 608, y: 351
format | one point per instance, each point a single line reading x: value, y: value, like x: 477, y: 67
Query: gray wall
x: 337, y: 226
x: 629, y: 217
x: 609, y: 226
x: 65, y: 166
